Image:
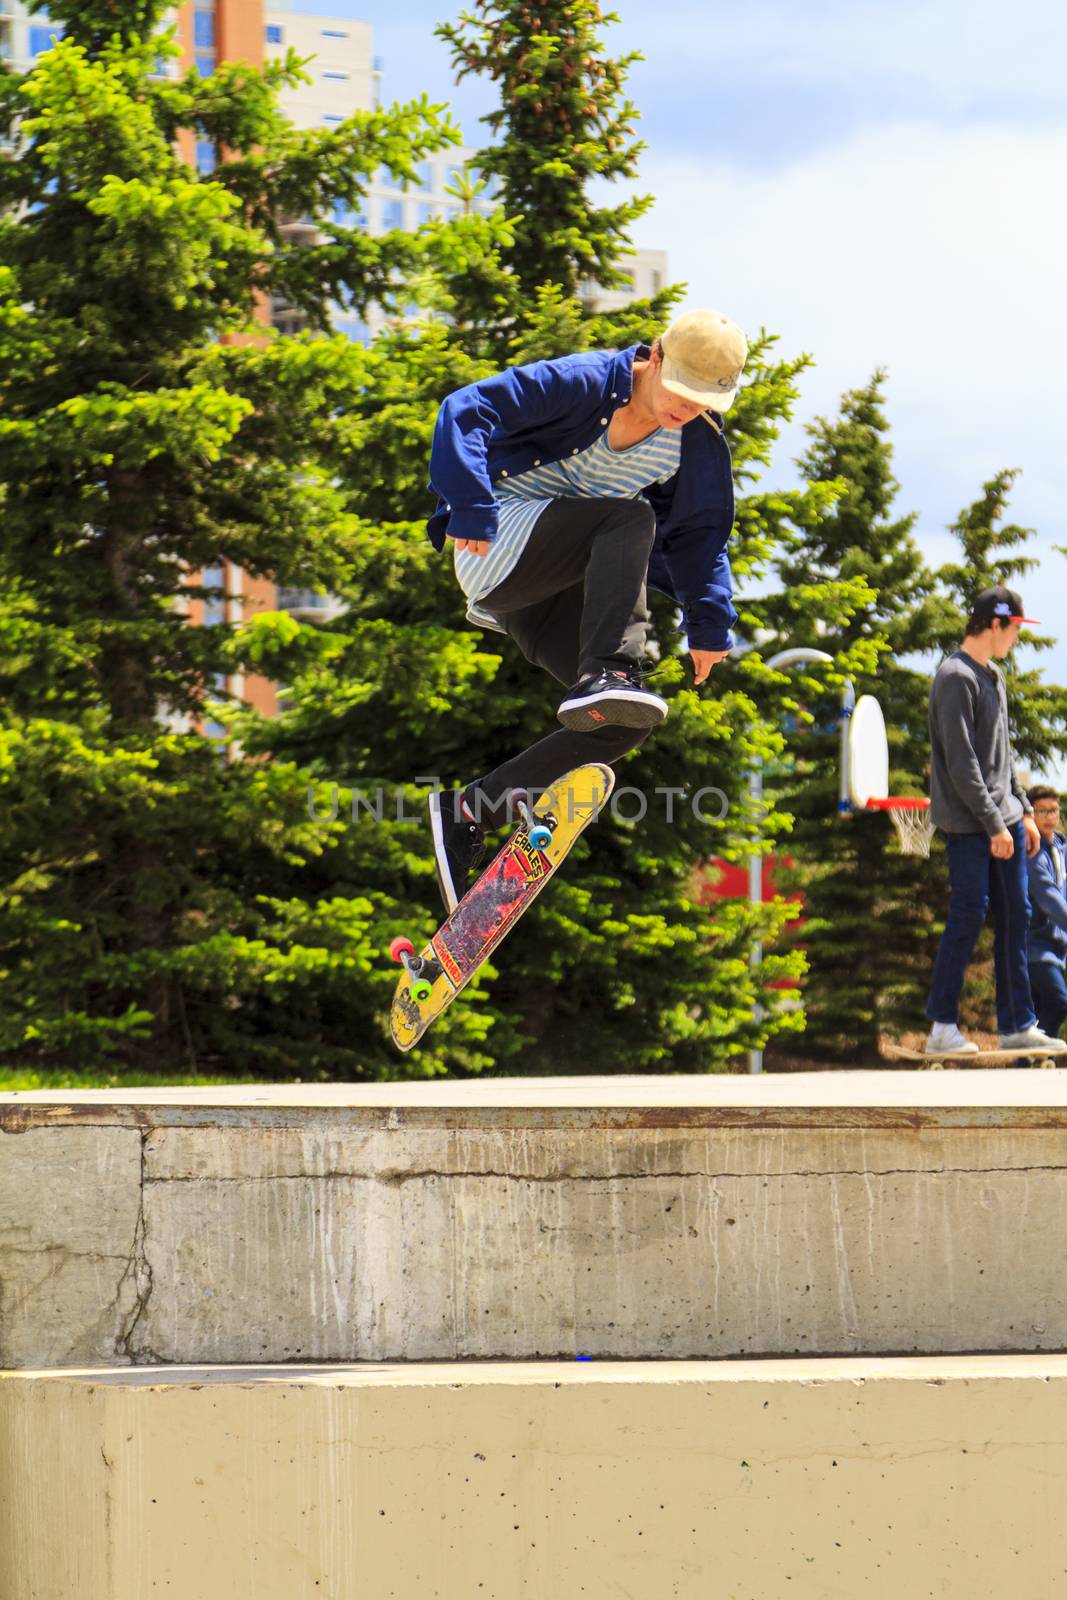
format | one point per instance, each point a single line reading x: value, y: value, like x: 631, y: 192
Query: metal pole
x: 848, y: 705
x: 784, y: 658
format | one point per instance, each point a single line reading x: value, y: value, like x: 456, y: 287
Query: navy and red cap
x: 998, y: 602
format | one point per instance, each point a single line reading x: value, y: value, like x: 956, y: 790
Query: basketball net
x: 910, y: 816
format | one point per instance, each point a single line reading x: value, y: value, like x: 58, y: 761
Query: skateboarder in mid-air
x: 978, y: 803
x: 566, y: 487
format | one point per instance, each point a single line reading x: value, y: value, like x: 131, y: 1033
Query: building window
x: 345, y: 217
x: 427, y: 212
x: 214, y: 606
x: 424, y: 175
x: 42, y: 39
x: 352, y: 328
x: 206, y: 157
x: 309, y: 604
x: 205, y: 65
x: 204, y: 30
x: 341, y: 77
x: 275, y: 33
x: 333, y: 33
x: 392, y: 214
x: 393, y: 180
x: 329, y: 117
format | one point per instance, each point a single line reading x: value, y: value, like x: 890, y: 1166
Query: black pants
x: 575, y: 603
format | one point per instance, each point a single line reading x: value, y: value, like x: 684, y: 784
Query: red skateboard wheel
x: 399, y: 948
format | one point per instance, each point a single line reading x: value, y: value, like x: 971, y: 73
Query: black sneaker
x: 458, y: 844
x: 614, y: 696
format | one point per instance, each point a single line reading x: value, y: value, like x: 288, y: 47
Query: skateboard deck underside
x: 492, y: 906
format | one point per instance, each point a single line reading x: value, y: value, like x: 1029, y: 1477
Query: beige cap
x: 703, y: 358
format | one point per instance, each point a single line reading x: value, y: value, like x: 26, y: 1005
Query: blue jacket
x: 1048, y: 905
x: 531, y: 415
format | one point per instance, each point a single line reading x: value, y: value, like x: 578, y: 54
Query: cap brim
x: 1032, y: 621
x: 679, y: 382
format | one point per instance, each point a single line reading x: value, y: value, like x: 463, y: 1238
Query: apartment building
x: 648, y: 271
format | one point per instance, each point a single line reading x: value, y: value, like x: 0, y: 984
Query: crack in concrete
x: 427, y: 1174
x: 139, y: 1267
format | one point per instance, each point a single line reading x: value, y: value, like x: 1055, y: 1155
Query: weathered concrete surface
x: 845, y: 1213
x: 738, y: 1480
x: 72, y: 1266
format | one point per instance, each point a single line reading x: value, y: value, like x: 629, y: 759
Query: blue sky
x: 881, y: 183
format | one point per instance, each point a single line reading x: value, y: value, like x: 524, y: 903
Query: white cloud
x: 937, y: 253
x: 957, y: 51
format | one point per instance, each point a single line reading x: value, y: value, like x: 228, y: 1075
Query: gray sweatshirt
x: 973, y: 787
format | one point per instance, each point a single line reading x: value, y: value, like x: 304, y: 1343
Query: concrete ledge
x: 625, y: 1218
x: 886, y: 1098
x: 742, y: 1481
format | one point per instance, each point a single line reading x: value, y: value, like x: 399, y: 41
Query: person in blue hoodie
x: 1047, y: 950
x: 567, y: 488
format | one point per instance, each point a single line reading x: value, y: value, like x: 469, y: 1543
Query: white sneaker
x: 947, y: 1040
x: 1032, y: 1039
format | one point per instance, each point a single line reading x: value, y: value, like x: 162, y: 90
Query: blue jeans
x: 979, y: 881
x: 1050, y: 995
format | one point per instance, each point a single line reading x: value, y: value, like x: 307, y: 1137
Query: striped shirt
x: 598, y: 473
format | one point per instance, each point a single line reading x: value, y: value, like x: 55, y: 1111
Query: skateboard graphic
x: 982, y: 1058
x: 494, y: 903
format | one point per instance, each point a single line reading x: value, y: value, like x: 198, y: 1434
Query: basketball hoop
x: 868, y: 780
x: 910, y: 816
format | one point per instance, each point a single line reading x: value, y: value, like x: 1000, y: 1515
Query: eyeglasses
x: 1047, y: 810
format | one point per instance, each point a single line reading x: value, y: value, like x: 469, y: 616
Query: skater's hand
x: 477, y: 547
x: 1033, y: 837
x: 1002, y: 845
x: 704, y: 660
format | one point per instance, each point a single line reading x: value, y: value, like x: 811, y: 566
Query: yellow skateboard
x: 492, y: 905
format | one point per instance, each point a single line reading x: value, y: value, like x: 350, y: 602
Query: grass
x: 14, y: 1078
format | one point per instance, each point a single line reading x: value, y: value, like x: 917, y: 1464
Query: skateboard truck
x: 403, y: 950
x: 538, y: 832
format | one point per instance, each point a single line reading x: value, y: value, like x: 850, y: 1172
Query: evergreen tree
x: 872, y: 916
x: 868, y: 927
x: 563, y: 122
x: 160, y: 906
x: 991, y: 553
x: 621, y: 964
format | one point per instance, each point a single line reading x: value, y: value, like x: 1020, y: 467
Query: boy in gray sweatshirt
x: 977, y: 802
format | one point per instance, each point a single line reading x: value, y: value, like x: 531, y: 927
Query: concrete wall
x: 678, y: 1218
x: 735, y: 1481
